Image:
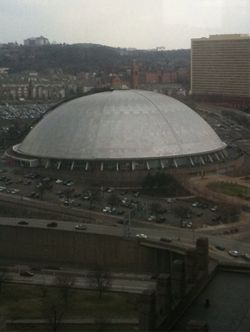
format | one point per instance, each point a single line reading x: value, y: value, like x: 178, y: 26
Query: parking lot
x: 70, y: 190
x: 23, y: 112
x: 186, y: 212
x: 232, y: 126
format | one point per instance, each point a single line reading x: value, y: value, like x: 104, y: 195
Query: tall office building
x: 221, y: 67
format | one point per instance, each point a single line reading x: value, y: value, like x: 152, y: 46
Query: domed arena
x: 120, y: 130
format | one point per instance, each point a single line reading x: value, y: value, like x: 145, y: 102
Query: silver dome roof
x: 123, y: 124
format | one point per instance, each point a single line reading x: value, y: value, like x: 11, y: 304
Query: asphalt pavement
x: 119, y: 284
x: 178, y: 237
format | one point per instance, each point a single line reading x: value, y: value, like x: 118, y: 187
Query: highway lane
x: 180, y: 237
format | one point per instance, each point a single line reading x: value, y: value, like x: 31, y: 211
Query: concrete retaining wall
x: 80, y: 249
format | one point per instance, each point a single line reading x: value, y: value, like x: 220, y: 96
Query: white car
x: 107, y: 209
x: 234, y: 253
x: 81, y: 227
x: 141, y: 236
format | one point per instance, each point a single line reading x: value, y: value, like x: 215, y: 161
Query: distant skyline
x: 140, y: 24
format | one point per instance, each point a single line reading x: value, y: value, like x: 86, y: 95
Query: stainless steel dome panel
x: 123, y: 124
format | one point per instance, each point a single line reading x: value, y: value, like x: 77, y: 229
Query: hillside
x: 88, y: 57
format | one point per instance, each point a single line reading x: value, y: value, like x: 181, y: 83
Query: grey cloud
x: 136, y: 23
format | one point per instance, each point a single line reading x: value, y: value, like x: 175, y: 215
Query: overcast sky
x: 124, y: 23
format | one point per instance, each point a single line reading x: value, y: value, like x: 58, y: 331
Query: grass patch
x: 230, y: 189
x: 27, y: 302
x: 115, y: 304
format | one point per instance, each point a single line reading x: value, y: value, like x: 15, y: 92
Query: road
x: 128, y: 285
x: 184, y: 237
x: 181, y: 237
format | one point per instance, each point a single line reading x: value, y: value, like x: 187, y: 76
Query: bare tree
x: 114, y: 200
x: 54, y: 309
x: 155, y: 207
x: 42, y: 187
x: 3, y: 277
x: 100, y: 279
x: 44, y: 289
x: 182, y: 211
x: 94, y: 197
x: 64, y: 284
x: 68, y: 193
x: 56, y: 300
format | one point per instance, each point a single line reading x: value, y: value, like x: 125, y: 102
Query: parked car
x: 161, y: 220
x: 220, y: 248
x: 76, y: 204
x: 246, y: 255
x: 199, y: 214
x: 107, y: 209
x: 86, y: 196
x: 120, y: 212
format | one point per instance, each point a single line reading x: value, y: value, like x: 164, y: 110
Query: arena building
x: 121, y: 131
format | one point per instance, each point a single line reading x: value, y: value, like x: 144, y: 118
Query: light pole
x: 193, y: 233
x: 127, y: 222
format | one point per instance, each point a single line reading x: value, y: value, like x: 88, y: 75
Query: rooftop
x: 224, y: 37
x: 121, y: 124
